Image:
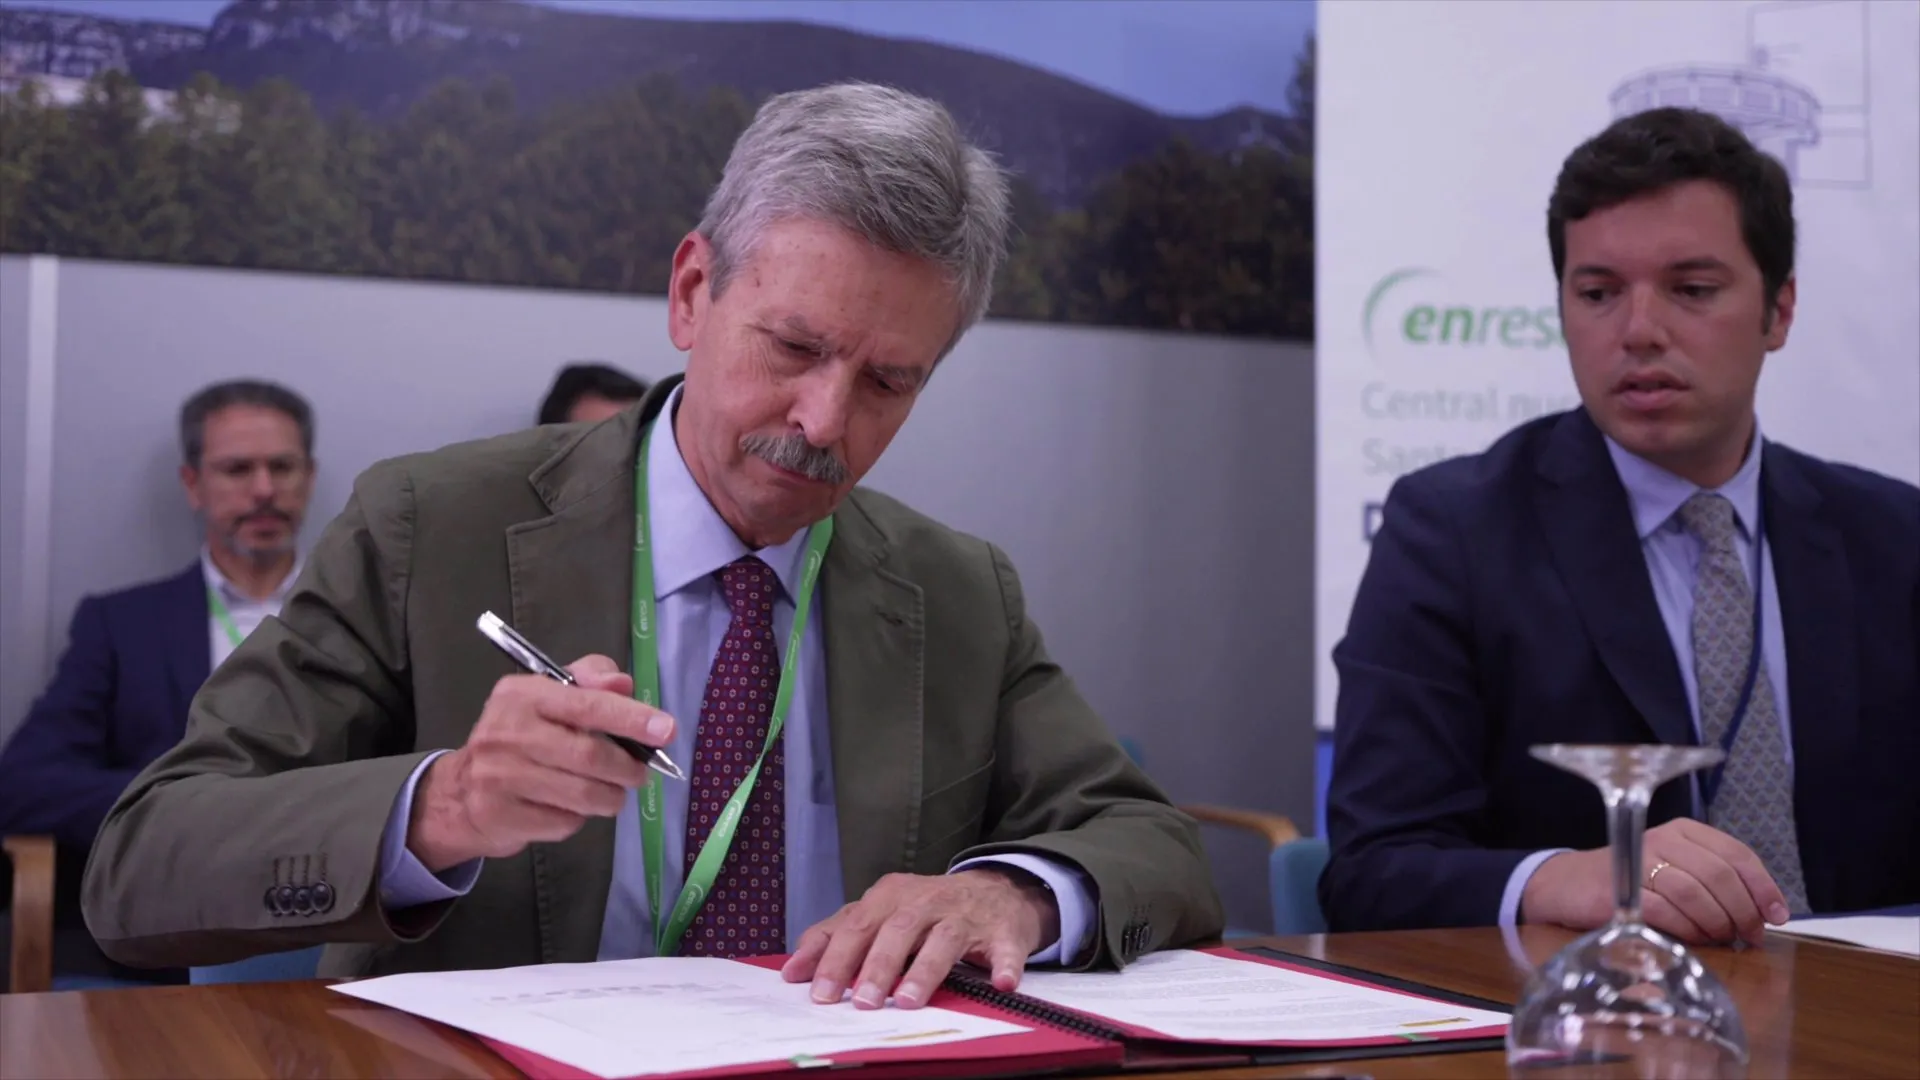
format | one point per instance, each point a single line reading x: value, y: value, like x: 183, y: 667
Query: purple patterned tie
x: 745, y: 914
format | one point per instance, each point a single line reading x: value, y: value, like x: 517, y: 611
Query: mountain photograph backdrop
x: 510, y: 143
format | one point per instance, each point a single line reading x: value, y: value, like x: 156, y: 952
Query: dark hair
x: 576, y: 381
x: 1640, y: 154
x: 223, y: 395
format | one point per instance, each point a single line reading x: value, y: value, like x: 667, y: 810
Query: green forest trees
x: 594, y: 194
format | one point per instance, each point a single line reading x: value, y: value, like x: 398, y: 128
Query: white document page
x: 1195, y: 995
x: 1890, y: 933
x: 660, y: 1015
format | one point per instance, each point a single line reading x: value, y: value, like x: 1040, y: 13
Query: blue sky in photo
x: 1184, y: 57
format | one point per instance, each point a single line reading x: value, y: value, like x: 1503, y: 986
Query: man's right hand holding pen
x: 535, y: 766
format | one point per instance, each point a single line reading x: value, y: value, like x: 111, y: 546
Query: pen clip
x: 529, y: 655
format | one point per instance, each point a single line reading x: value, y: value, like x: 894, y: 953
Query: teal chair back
x: 272, y: 967
x: 63, y: 983
x: 1293, y: 879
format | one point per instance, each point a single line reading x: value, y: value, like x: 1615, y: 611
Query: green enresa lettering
x: 1418, y: 325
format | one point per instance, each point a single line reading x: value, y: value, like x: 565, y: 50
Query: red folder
x: 1061, y: 1040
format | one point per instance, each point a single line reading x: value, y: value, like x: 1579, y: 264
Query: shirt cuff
x: 1072, y: 894
x: 1517, y: 884
x: 405, y: 881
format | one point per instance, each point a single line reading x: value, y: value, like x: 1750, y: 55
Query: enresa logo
x: 1412, y: 309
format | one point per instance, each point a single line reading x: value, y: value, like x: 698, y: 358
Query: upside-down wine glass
x: 1626, y: 999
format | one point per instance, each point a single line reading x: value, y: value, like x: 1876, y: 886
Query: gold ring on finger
x: 1655, y: 873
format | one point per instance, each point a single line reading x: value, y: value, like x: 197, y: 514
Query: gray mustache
x: 795, y: 454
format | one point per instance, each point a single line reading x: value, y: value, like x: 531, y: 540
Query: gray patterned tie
x: 1754, y: 803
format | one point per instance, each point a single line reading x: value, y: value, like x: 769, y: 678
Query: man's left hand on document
x: 994, y: 917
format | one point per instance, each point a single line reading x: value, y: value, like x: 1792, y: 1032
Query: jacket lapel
x: 189, y: 642
x: 1817, y: 616
x: 572, y: 579
x: 1589, y: 528
x: 876, y: 642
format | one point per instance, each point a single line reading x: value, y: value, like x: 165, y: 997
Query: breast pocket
x: 952, y: 817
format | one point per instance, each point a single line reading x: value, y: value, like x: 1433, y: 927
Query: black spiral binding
x: 1019, y: 1004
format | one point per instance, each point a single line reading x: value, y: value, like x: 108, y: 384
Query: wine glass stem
x: 1626, y: 827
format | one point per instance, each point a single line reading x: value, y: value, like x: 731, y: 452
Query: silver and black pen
x: 514, y: 644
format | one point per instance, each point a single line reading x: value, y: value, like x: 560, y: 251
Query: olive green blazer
x: 952, y: 733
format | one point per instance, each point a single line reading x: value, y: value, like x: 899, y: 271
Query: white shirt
x: 246, y: 612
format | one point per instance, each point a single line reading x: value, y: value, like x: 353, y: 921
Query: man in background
x: 136, y: 657
x: 1648, y: 568
x: 589, y: 393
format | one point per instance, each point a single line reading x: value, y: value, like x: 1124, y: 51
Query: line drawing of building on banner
x: 1801, y: 93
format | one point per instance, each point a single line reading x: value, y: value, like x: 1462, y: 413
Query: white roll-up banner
x: 1441, y: 127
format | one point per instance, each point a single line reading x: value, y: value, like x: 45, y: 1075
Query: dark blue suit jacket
x: 1506, y: 603
x: 118, y: 698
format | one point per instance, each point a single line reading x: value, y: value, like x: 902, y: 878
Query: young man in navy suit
x: 1647, y: 568
x: 135, y: 657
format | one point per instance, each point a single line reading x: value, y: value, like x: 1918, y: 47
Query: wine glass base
x: 1625, y: 1046
x: 1626, y: 1000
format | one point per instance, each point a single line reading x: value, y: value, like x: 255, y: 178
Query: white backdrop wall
x: 1154, y: 490
x: 1435, y: 311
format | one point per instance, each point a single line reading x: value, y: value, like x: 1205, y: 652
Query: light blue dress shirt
x: 1673, y: 560
x: 691, y: 543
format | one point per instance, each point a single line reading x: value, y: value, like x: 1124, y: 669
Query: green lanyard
x: 226, y: 620
x: 667, y: 932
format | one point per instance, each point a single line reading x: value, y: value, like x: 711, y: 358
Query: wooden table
x: 1811, y: 1009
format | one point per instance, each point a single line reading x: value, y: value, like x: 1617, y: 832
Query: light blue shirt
x: 1673, y: 561
x: 691, y: 542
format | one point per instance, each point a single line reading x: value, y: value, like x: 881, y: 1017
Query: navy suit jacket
x: 1507, y: 603
x: 118, y: 699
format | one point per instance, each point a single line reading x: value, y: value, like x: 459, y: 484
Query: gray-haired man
x: 897, y: 738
